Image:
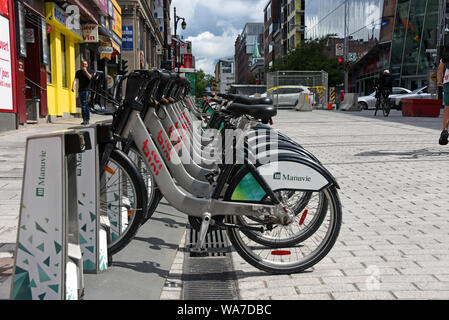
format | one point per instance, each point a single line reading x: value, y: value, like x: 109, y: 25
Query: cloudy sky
x: 213, y: 26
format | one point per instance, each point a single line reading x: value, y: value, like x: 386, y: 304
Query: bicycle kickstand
x: 199, y: 250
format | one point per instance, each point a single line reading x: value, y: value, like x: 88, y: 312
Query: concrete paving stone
x: 263, y: 293
x: 257, y: 284
x: 344, y: 280
x: 327, y: 288
x: 320, y: 296
x: 365, y: 295
x: 421, y: 295
x: 428, y: 270
x: 371, y: 284
x: 432, y: 286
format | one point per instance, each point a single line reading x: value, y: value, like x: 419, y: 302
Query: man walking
x: 83, y: 77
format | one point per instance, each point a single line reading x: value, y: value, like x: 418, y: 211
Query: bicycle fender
x: 292, y: 171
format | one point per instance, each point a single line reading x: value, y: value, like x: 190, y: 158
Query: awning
x: 115, y: 46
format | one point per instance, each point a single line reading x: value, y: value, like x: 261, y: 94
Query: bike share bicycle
x: 384, y: 102
x: 252, y: 191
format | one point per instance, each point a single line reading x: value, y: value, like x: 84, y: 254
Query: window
x: 48, y: 67
x: 64, y: 61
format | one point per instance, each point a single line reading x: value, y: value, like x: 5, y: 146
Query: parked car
x: 369, y: 102
x: 420, y: 93
x: 286, y: 96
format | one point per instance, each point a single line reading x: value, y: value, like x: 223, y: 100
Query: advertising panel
x: 116, y: 18
x: 5, y: 66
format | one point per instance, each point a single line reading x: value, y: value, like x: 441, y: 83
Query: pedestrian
x: 443, y: 81
x: 341, y: 98
x: 83, y: 77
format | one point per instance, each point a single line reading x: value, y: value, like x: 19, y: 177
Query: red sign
x: 4, y: 8
x: 188, y: 60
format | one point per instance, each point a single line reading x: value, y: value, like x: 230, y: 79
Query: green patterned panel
x: 248, y: 189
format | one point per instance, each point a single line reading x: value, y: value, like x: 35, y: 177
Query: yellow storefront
x: 62, y: 44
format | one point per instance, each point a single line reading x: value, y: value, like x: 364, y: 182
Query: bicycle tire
x: 259, y: 256
x: 122, y: 188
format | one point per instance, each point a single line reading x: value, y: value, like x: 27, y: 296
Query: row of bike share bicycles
x: 221, y: 163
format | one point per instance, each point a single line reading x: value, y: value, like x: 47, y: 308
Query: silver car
x: 420, y: 93
x: 369, y: 102
x: 286, y: 96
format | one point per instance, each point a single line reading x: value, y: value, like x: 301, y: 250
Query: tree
x: 203, y: 81
x: 310, y: 55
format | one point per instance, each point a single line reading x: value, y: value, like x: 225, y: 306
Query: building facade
x: 245, y: 46
x: 407, y: 46
x: 293, y: 23
x: 145, y: 33
x: 225, y: 75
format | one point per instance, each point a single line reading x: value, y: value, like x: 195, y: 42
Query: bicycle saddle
x: 243, y: 99
x: 262, y: 112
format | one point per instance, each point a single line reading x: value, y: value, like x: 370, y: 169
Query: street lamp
x: 183, y: 26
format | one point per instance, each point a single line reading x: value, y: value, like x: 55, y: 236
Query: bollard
x: 92, y: 227
x: 48, y: 264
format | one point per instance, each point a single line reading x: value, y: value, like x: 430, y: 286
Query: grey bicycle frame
x: 182, y: 201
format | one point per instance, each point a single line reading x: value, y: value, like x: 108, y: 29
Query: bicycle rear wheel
x: 122, y: 198
x: 298, y: 257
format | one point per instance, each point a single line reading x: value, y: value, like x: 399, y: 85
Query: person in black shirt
x: 83, y: 77
x: 384, y: 87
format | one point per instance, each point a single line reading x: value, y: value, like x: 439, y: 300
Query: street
x: 392, y: 245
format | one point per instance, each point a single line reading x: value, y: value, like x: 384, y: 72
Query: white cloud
x: 208, y: 48
x: 228, y: 17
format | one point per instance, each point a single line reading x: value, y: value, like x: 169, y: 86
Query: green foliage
x: 203, y: 81
x: 310, y: 55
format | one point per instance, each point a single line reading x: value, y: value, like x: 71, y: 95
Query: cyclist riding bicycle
x: 384, y: 87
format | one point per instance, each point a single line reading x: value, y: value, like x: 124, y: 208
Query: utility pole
x: 346, y: 49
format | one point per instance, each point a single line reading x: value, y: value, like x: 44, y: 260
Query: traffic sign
x: 339, y: 49
x: 352, y: 57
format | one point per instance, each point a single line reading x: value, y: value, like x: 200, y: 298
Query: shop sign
x: 127, y: 38
x: 188, y: 60
x: 60, y: 15
x: 90, y: 32
x: 105, y: 50
x: 5, y: 66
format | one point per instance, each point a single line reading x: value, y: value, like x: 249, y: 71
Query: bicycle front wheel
x: 300, y: 256
x: 122, y: 198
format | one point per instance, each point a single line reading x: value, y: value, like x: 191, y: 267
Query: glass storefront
x: 414, y: 33
x: 325, y: 17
